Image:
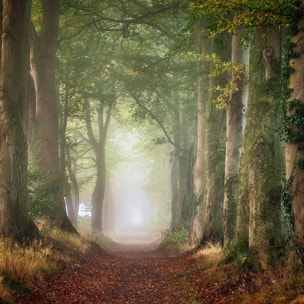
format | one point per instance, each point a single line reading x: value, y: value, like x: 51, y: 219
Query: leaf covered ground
x: 133, y: 276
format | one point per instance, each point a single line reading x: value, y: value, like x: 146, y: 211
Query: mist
x: 135, y: 209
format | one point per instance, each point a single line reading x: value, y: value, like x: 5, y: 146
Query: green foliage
x: 247, y: 13
x: 293, y: 127
x: 175, y: 238
x: 287, y: 198
x: 221, y: 68
x: 40, y: 192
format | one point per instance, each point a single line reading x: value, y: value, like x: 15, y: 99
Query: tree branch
x: 154, y: 117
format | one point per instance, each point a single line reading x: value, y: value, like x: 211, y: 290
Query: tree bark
x: 235, y: 123
x: 215, y: 170
x: 295, y: 137
x: 45, y: 146
x: 196, y: 228
x: 174, y: 193
x: 181, y: 205
x: 215, y: 151
x: 14, y: 222
x: 108, y: 220
x: 75, y: 198
x: 98, y: 146
x: 264, y: 151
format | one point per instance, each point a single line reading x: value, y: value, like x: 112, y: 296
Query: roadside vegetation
x: 23, y: 264
x: 218, y: 278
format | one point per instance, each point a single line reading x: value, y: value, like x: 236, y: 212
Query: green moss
x: 293, y: 131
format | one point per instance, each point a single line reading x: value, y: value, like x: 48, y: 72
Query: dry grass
x: 22, y: 265
x: 281, y: 284
x: 213, y: 254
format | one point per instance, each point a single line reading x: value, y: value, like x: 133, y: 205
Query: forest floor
x: 140, y: 274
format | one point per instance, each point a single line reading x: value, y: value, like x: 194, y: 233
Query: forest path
x: 129, y: 275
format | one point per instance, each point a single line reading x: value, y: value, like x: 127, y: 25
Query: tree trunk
x: 264, y: 152
x: 45, y: 146
x: 215, y: 151
x: 108, y: 213
x: 294, y: 147
x: 196, y: 228
x: 74, y: 209
x: 31, y: 111
x: 182, y: 202
x: 242, y: 214
x: 215, y: 168
x: 235, y: 123
x: 175, y: 193
x: 98, y: 146
x: 65, y: 162
x: 99, y: 192
x: 188, y: 205
x: 14, y: 205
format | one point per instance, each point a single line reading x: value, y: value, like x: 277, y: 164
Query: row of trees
x: 103, y: 59
x: 181, y: 66
x: 250, y: 194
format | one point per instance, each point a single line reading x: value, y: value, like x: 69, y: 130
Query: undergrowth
x: 174, y: 239
x: 281, y: 283
x: 22, y: 265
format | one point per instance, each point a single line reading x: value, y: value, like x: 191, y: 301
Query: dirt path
x: 123, y: 275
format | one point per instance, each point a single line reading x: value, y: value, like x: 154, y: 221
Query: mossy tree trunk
x: 215, y: 150
x: 14, y: 222
x: 215, y: 171
x: 294, y: 148
x: 235, y: 123
x: 263, y: 148
x: 196, y: 228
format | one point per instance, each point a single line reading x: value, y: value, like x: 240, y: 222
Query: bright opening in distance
x: 136, y: 219
x: 134, y: 213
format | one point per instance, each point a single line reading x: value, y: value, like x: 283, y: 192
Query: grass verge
x: 281, y: 283
x: 22, y: 265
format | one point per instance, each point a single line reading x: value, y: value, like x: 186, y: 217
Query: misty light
x: 136, y: 219
x: 134, y: 214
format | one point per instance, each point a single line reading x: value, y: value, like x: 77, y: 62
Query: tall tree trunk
x: 215, y: 151
x: 98, y: 192
x: 263, y: 148
x: 294, y: 147
x: 75, y: 198
x: 108, y: 213
x: 98, y: 145
x: 174, y: 192
x: 241, y: 239
x: 196, y: 228
x: 188, y: 203
x: 14, y: 205
x: 65, y: 161
x: 215, y: 168
x: 181, y: 204
x: 235, y: 123
x: 45, y: 146
x: 31, y: 110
